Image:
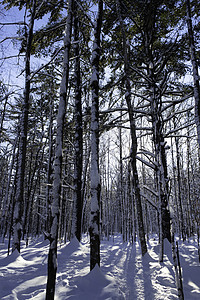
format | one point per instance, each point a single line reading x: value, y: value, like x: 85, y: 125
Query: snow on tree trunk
x: 49, y: 169
x: 94, y: 175
x: 161, y: 174
x: 133, y: 153
x: 175, y: 261
x: 195, y: 69
x: 53, y: 236
x: 18, y: 208
x: 78, y: 202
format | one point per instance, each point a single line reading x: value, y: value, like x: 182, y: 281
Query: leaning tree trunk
x: 17, y: 222
x: 78, y: 166
x: 53, y: 236
x: 133, y: 154
x: 95, y: 176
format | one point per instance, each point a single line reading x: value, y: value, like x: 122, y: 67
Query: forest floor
x: 124, y: 274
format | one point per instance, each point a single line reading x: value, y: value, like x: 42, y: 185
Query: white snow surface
x: 123, y: 274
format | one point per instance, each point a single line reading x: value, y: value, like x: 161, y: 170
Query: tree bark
x: 94, y: 175
x: 53, y: 236
x: 17, y: 222
x: 49, y: 168
x: 78, y: 201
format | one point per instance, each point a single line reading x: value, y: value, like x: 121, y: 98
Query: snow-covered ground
x: 123, y: 273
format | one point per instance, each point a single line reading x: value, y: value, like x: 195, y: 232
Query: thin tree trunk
x: 121, y: 185
x: 6, y: 202
x: 53, y: 236
x: 175, y: 193
x: 94, y: 175
x: 181, y: 219
x: 189, y: 206
x: 177, y: 275
x: 3, y: 113
x: 17, y: 222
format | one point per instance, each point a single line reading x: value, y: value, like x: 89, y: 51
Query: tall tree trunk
x: 133, y: 153
x: 155, y: 98
x: 17, y: 222
x: 94, y: 175
x: 195, y: 69
x: 78, y: 202
x: 189, y: 205
x: 53, y: 237
x: 49, y: 169
x: 121, y: 183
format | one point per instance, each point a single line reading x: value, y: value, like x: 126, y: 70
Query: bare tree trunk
x: 49, y: 170
x: 17, y: 222
x: 189, y: 206
x: 175, y: 218
x: 181, y: 219
x: 94, y: 175
x: 53, y: 236
x: 176, y: 267
x: 78, y: 167
x: 121, y: 184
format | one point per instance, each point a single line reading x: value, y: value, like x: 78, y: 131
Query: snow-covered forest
x: 99, y: 149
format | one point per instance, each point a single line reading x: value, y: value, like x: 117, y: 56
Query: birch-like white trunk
x: 53, y: 236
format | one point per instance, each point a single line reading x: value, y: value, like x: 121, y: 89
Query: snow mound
x: 93, y: 280
x: 70, y: 248
x: 14, y: 260
x: 96, y: 285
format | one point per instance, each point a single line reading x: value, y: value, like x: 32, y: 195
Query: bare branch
x: 43, y: 66
x: 14, y: 23
x: 180, y: 128
x: 149, y: 200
